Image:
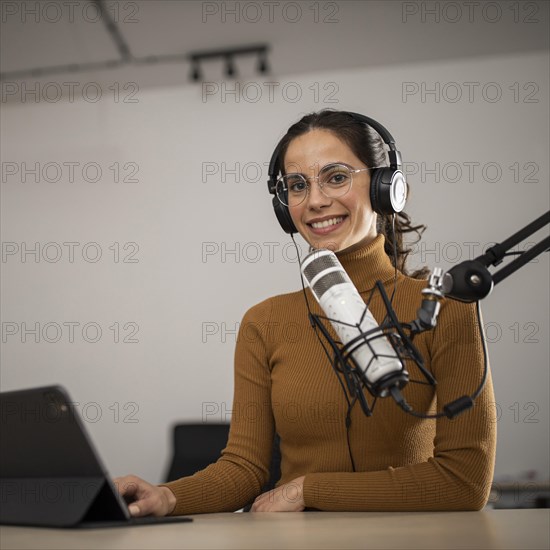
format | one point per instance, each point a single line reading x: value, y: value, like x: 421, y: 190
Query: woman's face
x: 350, y: 216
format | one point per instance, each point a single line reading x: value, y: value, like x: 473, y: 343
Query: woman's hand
x: 286, y: 498
x: 145, y: 499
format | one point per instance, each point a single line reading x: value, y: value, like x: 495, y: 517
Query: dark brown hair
x: 369, y: 147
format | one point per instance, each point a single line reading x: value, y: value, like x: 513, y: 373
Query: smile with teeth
x: 327, y: 223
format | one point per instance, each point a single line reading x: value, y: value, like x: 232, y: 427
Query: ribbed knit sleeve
x: 458, y: 476
x: 238, y: 476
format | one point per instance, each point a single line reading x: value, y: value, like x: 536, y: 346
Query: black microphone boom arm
x: 471, y: 280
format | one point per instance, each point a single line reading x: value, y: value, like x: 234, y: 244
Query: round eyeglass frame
x: 281, y: 182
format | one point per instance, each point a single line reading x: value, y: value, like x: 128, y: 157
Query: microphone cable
x: 463, y: 403
x: 332, y: 361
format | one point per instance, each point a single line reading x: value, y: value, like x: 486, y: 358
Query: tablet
x: 50, y: 473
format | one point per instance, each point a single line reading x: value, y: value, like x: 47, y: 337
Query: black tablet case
x: 50, y: 474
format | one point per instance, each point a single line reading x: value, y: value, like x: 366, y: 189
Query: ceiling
x: 67, y: 38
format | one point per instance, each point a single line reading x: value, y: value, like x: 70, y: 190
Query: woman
x: 284, y: 383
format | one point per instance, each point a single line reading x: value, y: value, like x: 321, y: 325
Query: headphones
x: 388, y: 187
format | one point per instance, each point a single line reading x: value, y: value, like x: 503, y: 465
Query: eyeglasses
x: 334, y: 181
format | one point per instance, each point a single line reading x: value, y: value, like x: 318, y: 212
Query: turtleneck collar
x: 366, y: 262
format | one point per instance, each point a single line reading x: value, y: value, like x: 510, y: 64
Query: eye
x: 336, y: 176
x: 296, y: 184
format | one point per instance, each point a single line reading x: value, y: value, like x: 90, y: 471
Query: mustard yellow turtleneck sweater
x: 285, y: 384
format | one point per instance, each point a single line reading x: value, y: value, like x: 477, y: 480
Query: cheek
x: 360, y: 203
x: 295, y: 214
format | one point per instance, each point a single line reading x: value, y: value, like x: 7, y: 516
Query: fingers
x: 264, y: 502
x: 136, y: 493
x: 145, y: 507
x: 286, y: 498
x: 128, y: 486
x: 157, y: 501
x: 145, y: 499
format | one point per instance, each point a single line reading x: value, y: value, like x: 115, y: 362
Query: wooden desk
x: 500, y: 529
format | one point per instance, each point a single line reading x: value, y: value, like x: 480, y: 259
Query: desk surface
x: 500, y: 529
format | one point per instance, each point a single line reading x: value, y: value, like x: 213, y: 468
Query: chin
x: 329, y: 244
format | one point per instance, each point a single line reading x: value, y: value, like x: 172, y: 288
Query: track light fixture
x: 263, y: 67
x: 229, y: 67
x: 195, y: 72
x: 229, y: 55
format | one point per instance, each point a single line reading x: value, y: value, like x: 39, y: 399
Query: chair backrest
x: 195, y: 446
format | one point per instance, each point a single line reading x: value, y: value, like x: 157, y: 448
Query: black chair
x: 195, y: 446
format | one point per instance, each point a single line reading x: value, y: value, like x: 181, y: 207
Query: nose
x: 316, y: 198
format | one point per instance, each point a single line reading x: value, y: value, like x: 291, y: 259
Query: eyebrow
x: 322, y: 167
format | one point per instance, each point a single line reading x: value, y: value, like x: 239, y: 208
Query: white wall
x: 178, y: 287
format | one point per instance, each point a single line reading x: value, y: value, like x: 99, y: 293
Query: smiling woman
x: 323, y: 220
x: 328, y: 135
x: 331, y: 185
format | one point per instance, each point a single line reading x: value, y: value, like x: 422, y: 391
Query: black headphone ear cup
x: 283, y: 216
x: 388, y: 191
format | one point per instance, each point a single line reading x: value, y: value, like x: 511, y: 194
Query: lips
x: 326, y: 225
